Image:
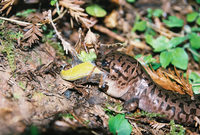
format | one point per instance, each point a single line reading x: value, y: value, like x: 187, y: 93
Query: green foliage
x: 194, y: 40
x: 198, y: 1
x: 165, y: 58
x: 159, y: 44
x: 175, y: 41
x: 147, y: 114
x: 68, y: 115
x: 34, y: 130
x: 96, y: 10
x: 53, y: 2
x: 56, y: 45
x: 140, y: 26
x: 198, y: 21
x: 115, y: 107
x: 191, y: 17
x: 195, y: 81
x: 148, y: 60
x: 26, y: 12
x: 154, y: 13
x: 119, y: 125
x: 85, y: 57
x: 21, y: 85
x: 56, y: 4
x: 130, y: 1
x: 173, y: 21
x: 155, y: 65
x: 195, y: 54
x: 1, y: 22
x: 16, y: 95
x: 195, y: 29
x: 8, y: 39
x: 179, y: 58
x: 8, y: 49
x: 150, y: 31
x: 176, y: 129
x: 170, y: 53
x: 162, y: 43
x: 157, y: 12
x: 194, y: 16
x: 150, y: 12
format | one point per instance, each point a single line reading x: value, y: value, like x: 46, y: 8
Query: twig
x: 66, y: 45
x: 60, y: 16
x: 163, y: 31
x: 109, y: 33
x: 81, y: 121
x: 137, y: 129
x: 22, y: 23
x: 120, y: 38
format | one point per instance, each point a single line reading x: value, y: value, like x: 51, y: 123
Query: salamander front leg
x: 102, y: 84
x: 131, y: 104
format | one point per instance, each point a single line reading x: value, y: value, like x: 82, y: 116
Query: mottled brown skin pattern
x: 126, y: 79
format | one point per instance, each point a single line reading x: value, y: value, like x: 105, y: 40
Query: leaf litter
x: 36, y: 94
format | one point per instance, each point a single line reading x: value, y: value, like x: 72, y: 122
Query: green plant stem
x: 197, y: 84
x: 193, y: 52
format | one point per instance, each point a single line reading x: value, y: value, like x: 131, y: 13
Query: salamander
x: 125, y: 78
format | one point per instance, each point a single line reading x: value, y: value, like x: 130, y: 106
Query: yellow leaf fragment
x: 79, y: 71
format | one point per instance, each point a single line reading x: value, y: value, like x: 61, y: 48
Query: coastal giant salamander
x: 126, y: 79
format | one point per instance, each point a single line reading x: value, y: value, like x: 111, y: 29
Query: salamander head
x: 116, y: 79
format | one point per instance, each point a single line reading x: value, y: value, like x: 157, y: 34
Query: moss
x: 8, y: 49
x: 56, y: 45
x: 176, y: 129
x: 8, y: 38
x: 147, y: 114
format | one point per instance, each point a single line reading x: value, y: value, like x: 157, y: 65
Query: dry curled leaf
x: 6, y: 4
x: 90, y: 38
x: 156, y: 125
x: 37, y: 17
x: 77, y: 12
x: 111, y: 20
x: 171, y: 80
x: 33, y: 30
x: 66, y: 45
x: 32, y: 35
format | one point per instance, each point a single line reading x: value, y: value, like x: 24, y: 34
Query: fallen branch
x: 109, y: 33
x: 22, y: 23
x: 66, y: 45
x: 120, y: 38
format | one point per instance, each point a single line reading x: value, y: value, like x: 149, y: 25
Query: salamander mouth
x: 104, y: 87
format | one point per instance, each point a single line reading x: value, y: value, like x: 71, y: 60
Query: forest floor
x: 34, y: 99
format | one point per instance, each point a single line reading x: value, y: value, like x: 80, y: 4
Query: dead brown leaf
x: 171, y: 80
x: 111, y: 20
x: 32, y: 35
x: 77, y: 12
x: 6, y: 4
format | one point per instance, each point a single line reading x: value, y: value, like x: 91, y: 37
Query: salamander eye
x: 104, y: 63
x: 104, y: 87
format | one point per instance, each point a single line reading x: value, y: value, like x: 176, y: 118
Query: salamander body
x: 126, y: 79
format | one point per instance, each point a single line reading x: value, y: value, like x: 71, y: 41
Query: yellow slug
x: 79, y: 71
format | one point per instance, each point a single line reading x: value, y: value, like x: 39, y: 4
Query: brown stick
x: 109, y: 33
